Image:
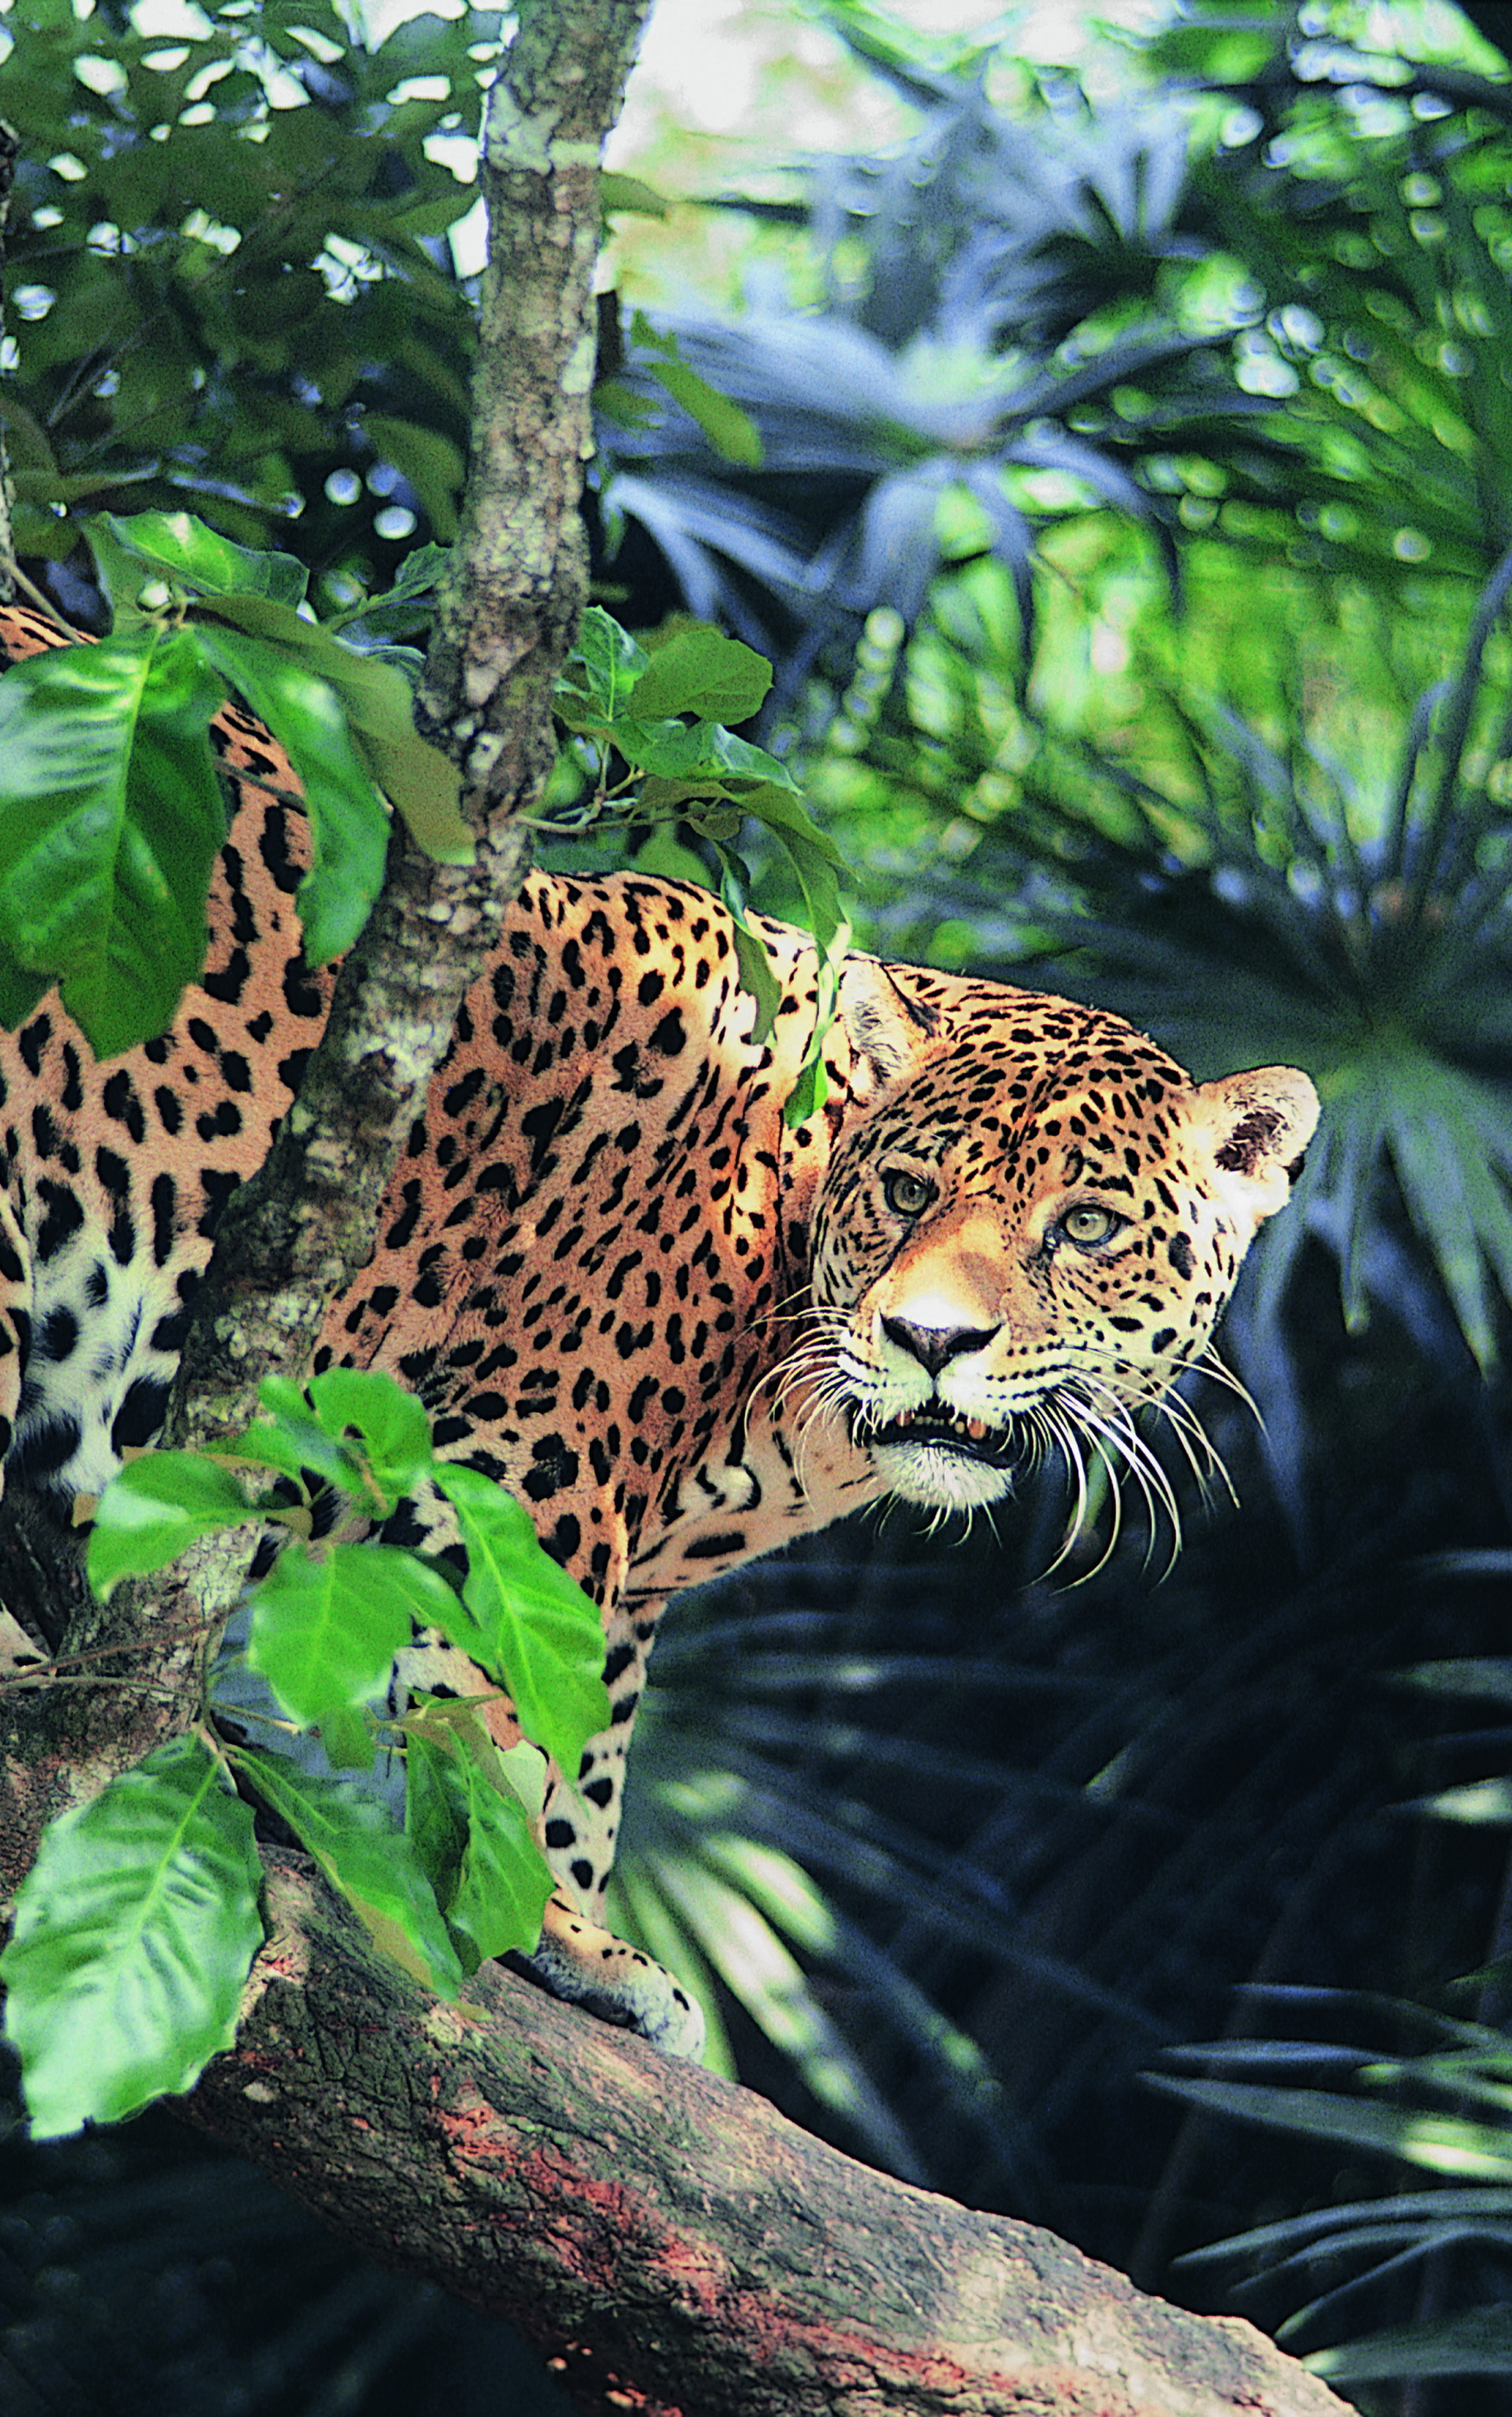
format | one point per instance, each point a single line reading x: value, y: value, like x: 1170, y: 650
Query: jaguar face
x: 1009, y: 1262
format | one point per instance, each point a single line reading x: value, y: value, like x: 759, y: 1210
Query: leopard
x: 681, y: 1328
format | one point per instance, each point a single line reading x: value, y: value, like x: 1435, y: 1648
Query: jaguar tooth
x: 976, y: 1429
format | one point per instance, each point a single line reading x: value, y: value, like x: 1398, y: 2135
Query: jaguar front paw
x: 588, y: 1966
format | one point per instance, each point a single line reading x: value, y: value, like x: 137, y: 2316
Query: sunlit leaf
x: 134, y: 1932
x: 529, y: 1623
x: 153, y: 1508
x: 365, y: 1855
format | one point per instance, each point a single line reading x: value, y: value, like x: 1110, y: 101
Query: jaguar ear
x: 1257, y: 1127
x: 891, y: 1024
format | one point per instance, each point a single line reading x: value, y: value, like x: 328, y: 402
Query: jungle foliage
x: 1123, y: 498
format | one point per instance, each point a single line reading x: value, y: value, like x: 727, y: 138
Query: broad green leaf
x: 346, y: 1735
x: 404, y: 609
x: 365, y: 1855
x: 113, y: 818
x: 697, y: 671
x: 826, y: 920
x: 325, y: 1627
x: 731, y: 430
x: 178, y: 547
x: 134, y: 1932
x: 532, y: 1626
x: 751, y: 953
x: 599, y: 674
x: 435, y: 1806
x: 292, y: 1441
x: 395, y: 1430
x: 492, y: 1880
x: 504, y: 1880
x: 153, y: 1508
x: 421, y: 783
x: 702, y: 759
x: 20, y: 992
x: 154, y: 944
x: 617, y: 192
x: 348, y: 829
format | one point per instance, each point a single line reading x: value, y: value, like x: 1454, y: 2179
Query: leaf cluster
x: 642, y: 760
x: 114, y: 815
x: 137, y: 1925
x: 1441, y: 2110
x: 231, y: 284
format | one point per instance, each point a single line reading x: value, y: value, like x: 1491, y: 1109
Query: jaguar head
x: 1027, y: 1231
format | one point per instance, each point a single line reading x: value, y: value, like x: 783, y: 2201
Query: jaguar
x: 679, y: 1330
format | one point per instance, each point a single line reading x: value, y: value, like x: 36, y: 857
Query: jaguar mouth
x: 940, y: 1428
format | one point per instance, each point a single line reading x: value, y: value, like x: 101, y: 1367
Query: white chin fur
x: 942, y: 1479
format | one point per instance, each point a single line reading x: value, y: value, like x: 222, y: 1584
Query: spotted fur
x: 680, y: 1332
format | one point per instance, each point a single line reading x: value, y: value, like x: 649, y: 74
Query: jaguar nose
x: 934, y: 1347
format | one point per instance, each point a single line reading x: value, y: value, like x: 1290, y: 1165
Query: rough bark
x: 672, y: 2243
x: 639, y: 2219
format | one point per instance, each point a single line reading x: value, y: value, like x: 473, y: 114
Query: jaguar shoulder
x: 679, y: 1332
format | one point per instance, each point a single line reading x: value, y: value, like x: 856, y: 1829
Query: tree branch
x: 674, y: 2230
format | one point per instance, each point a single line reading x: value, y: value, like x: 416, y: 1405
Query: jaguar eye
x: 1088, y: 1225
x: 906, y: 1194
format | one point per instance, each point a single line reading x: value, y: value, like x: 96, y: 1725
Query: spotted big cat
x: 680, y: 1332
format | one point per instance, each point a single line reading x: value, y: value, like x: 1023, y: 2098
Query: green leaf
x: 346, y: 1735
x: 175, y: 546
x: 153, y: 1508
x: 751, y: 951
x: 813, y: 859
x: 617, y: 192
x: 365, y: 1855
x: 113, y: 819
x: 697, y: 671
x: 404, y: 609
x: 532, y: 1626
x: 435, y: 1806
x: 134, y: 1932
x: 395, y: 1430
x: 431, y: 462
x: 422, y: 783
x: 1444, y: 2144
x: 599, y: 674
x: 292, y: 1441
x: 19, y: 992
x: 732, y: 432
x: 348, y: 829
x: 325, y: 1628
x: 496, y: 1879
x: 1471, y: 2341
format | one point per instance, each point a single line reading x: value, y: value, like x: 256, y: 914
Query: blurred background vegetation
x: 1115, y: 454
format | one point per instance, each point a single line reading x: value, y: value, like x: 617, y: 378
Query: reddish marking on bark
x: 845, y: 2360
x: 590, y: 2221
x: 477, y: 2134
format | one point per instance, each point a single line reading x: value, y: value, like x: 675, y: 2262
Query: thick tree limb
x: 675, y: 2230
